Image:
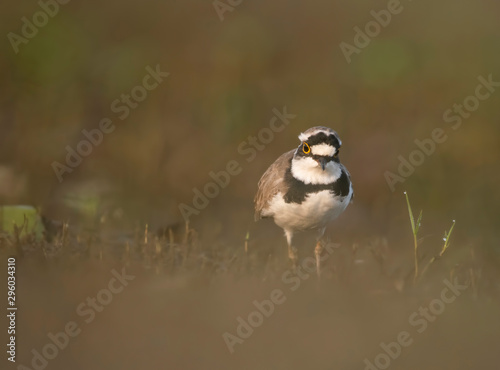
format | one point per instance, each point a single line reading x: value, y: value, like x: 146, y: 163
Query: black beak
x: 322, y: 162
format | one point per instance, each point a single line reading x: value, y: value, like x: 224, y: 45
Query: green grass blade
x: 447, y: 236
x: 412, y: 220
x: 419, y: 222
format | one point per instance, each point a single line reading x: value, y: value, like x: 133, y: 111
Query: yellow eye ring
x: 306, y: 148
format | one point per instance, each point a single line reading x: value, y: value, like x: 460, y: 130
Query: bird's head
x: 316, y: 160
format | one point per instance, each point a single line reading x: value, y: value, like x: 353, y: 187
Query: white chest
x: 316, y: 211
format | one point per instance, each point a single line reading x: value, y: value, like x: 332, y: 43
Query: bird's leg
x: 317, y: 251
x: 293, y: 255
x: 292, y: 251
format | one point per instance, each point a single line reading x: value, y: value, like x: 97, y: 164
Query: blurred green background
x: 225, y: 79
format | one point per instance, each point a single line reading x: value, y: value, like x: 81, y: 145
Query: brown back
x: 272, y: 182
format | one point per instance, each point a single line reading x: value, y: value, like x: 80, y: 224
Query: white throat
x: 309, y: 171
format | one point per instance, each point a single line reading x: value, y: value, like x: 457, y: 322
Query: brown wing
x: 271, y: 183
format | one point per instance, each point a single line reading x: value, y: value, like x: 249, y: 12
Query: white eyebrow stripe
x: 323, y: 149
x: 304, y: 137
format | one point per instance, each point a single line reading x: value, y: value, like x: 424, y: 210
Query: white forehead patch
x: 323, y: 149
x: 303, y: 136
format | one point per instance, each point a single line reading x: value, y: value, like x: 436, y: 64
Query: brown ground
x: 173, y: 314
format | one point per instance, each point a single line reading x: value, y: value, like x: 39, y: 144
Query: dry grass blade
x: 446, y: 239
x: 415, y: 228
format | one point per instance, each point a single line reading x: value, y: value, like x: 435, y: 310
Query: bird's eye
x: 336, y: 155
x: 306, y: 148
